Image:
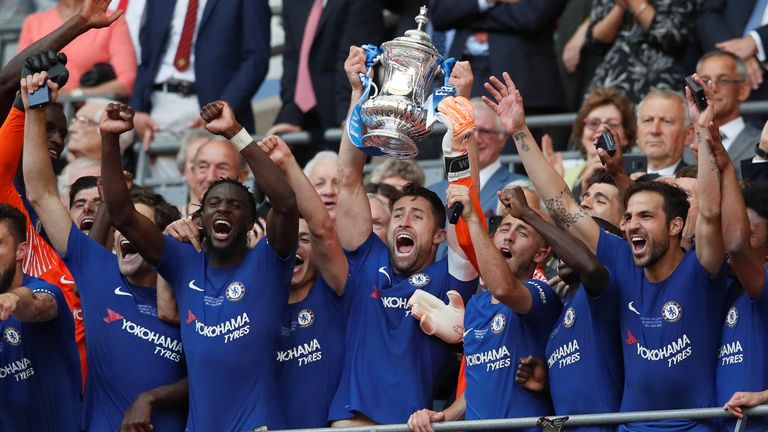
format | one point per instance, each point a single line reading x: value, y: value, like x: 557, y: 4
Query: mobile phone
x: 607, y: 143
x: 635, y: 163
x: 42, y: 96
x: 698, y: 93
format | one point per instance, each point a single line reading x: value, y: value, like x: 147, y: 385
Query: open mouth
x: 404, y: 244
x: 329, y: 204
x: 298, y: 264
x: 221, y: 229
x: 126, y: 249
x: 86, y: 224
x: 505, y: 252
x: 638, y: 244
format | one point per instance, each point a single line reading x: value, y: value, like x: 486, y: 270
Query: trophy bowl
x: 396, y: 118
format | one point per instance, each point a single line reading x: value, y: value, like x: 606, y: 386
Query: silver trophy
x: 396, y: 118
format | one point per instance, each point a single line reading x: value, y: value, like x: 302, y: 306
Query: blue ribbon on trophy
x: 354, y: 119
x: 441, y: 92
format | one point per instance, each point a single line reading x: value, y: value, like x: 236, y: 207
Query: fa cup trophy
x: 396, y: 117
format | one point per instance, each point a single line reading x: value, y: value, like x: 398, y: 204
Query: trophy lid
x: 417, y: 38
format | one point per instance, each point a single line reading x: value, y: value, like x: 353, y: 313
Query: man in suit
x: 337, y: 24
x: 516, y: 38
x: 663, y: 129
x: 729, y: 74
x: 490, y: 138
x: 194, y: 52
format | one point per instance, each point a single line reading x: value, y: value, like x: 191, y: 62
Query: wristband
x: 760, y: 152
x: 456, y: 167
x: 77, y: 92
x: 241, y: 139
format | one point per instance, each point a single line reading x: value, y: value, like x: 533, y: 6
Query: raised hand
x: 515, y: 202
x: 31, y: 83
x: 117, y: 118
x: 462, y: 78
x: 220, y: 119
x: 613, y: 164
x: 507, y: 103
x: 701, y: 118
x: 277, y: 150
x: 531, y: 374
x: 458, y: 193
x: 457, y: 114
x: 8, y: 303
x: 94, y: 12
x: 354, y: 65
x: 437, y: 318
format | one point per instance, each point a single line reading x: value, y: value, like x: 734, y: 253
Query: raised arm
x: 92, y: 14
x: 37, y: 168
x: 508, y: 105
x: 710, y: 248
x: 494, y: 270
x: 353, y: 210
x: 571, y: 250
x: 283, y: 219
x: 322, y: 231
x: 140, y: 231
x: 27, y: 306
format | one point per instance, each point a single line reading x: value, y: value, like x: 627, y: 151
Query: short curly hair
x: 603, y: 96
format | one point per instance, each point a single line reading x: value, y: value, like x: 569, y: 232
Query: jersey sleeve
x: 85, y: 258
x: 11, y: 143
x: 38, y: 286
x: 605, y: 307
x: 175, y: 252
x: 545, y: 306
x: 612, y: 250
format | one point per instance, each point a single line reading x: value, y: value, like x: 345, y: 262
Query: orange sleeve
x: 462, y: 229
x: 461, y: 384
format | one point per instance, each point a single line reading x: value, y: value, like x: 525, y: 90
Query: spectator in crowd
x: 215, y: 159
x: 110, y: 45
x: 602, y: 106
x: 729, y: 73
x: 119, y: 360
x: 380, y: 196
x: 84, y: 137
x: 193, y: 140
x: 497, y: 36
x: 490, y: 138
x: 323, y: 172
x: 685, y: 324
x: 80, y: 167
x: 646, y: 42
x: 133, y: 11
x: 221, y: 54
x: 663, y: 129
x: 313, y: 88
x: 39, y: 348
x: 398, y: 173
x: 386, y: 276
x: 241, y: 334
x: 312, y: 342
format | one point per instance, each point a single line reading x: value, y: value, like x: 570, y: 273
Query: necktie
x: 756, y: 19
x: 181, y: 61
x: 123, y: 5
x: 305, y: 93
x: 723, y: 136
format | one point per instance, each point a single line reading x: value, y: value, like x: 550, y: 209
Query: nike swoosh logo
x: 383, y: 269
x: 631, y: 307
x: 466, y: 332
x: 195, y: 287
x: 119, y: 291
x: 66, y: 281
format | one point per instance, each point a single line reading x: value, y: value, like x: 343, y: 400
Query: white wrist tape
x: 241, y: 140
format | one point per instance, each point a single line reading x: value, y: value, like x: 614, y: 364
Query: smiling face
x: 325, y: 178
x: 215, y: 159
x: 304, y: 271
x: 130, y: 263
x: 227, y: 218
x: 520, y: 245
x: 413, y: 235
x: 84, y: 207
x: 647, y: 229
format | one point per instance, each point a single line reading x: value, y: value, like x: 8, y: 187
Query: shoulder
x: 40, y: 286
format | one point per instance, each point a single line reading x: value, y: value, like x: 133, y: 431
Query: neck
x: 68, y: 8
x: 666, y: 265
x: 219, y: 260
x: 299, y: 292
x: 727, y: 117
x: 148, y: 279
x: 658, y: 164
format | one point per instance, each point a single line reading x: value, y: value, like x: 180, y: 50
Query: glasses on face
x: 487, y: 133
x: 594, y: 123
x: 84, y: 121
x: 721, y: 81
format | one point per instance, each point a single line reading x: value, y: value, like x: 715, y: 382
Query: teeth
x: 404, y: 236
x: 636, y: 238
x: 222, y: 221
x: 125, y: 242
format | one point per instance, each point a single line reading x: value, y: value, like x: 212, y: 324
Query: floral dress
x: 643, y: 59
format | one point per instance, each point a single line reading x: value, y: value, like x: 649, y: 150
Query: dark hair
x: 675, y: 199
x: 244, y: 188
x: 690, y: 171
x: 17, y: 222
x: 603, y: 96
x: 648, y: 177
x: 600, y: 175
x: 382, y: 189
x: 756, y: 197
x: 413, y: 190
x: 165, y: 213
x: 81, y: 184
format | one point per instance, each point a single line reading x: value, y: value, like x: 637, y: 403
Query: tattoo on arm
x: 558, y: 210
x: 520, y: 138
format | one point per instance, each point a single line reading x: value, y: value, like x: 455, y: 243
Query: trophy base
x: 394, y: 144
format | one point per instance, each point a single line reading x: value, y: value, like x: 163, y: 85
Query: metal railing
x: 571, y: 421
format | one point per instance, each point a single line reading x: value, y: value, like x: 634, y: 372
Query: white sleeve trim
x: 460, y: 268
x: 759, y: 43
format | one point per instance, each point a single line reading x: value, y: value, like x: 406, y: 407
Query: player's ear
x: 439, y: 236
x: 21, y: 251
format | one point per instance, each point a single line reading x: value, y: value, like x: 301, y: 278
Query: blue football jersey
x: 583, y: 354
x: 743, y: 355
x: 670, y: 331
x: 130, y: 350
x: 40, y: 370
x: 230, y: 326
x: 390, y: 365
x: 310, y: 356
x: 495, y: 338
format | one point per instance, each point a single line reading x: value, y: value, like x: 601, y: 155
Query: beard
x: 658, y: 248
x: 224, y: 253
x: 6, y: 277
